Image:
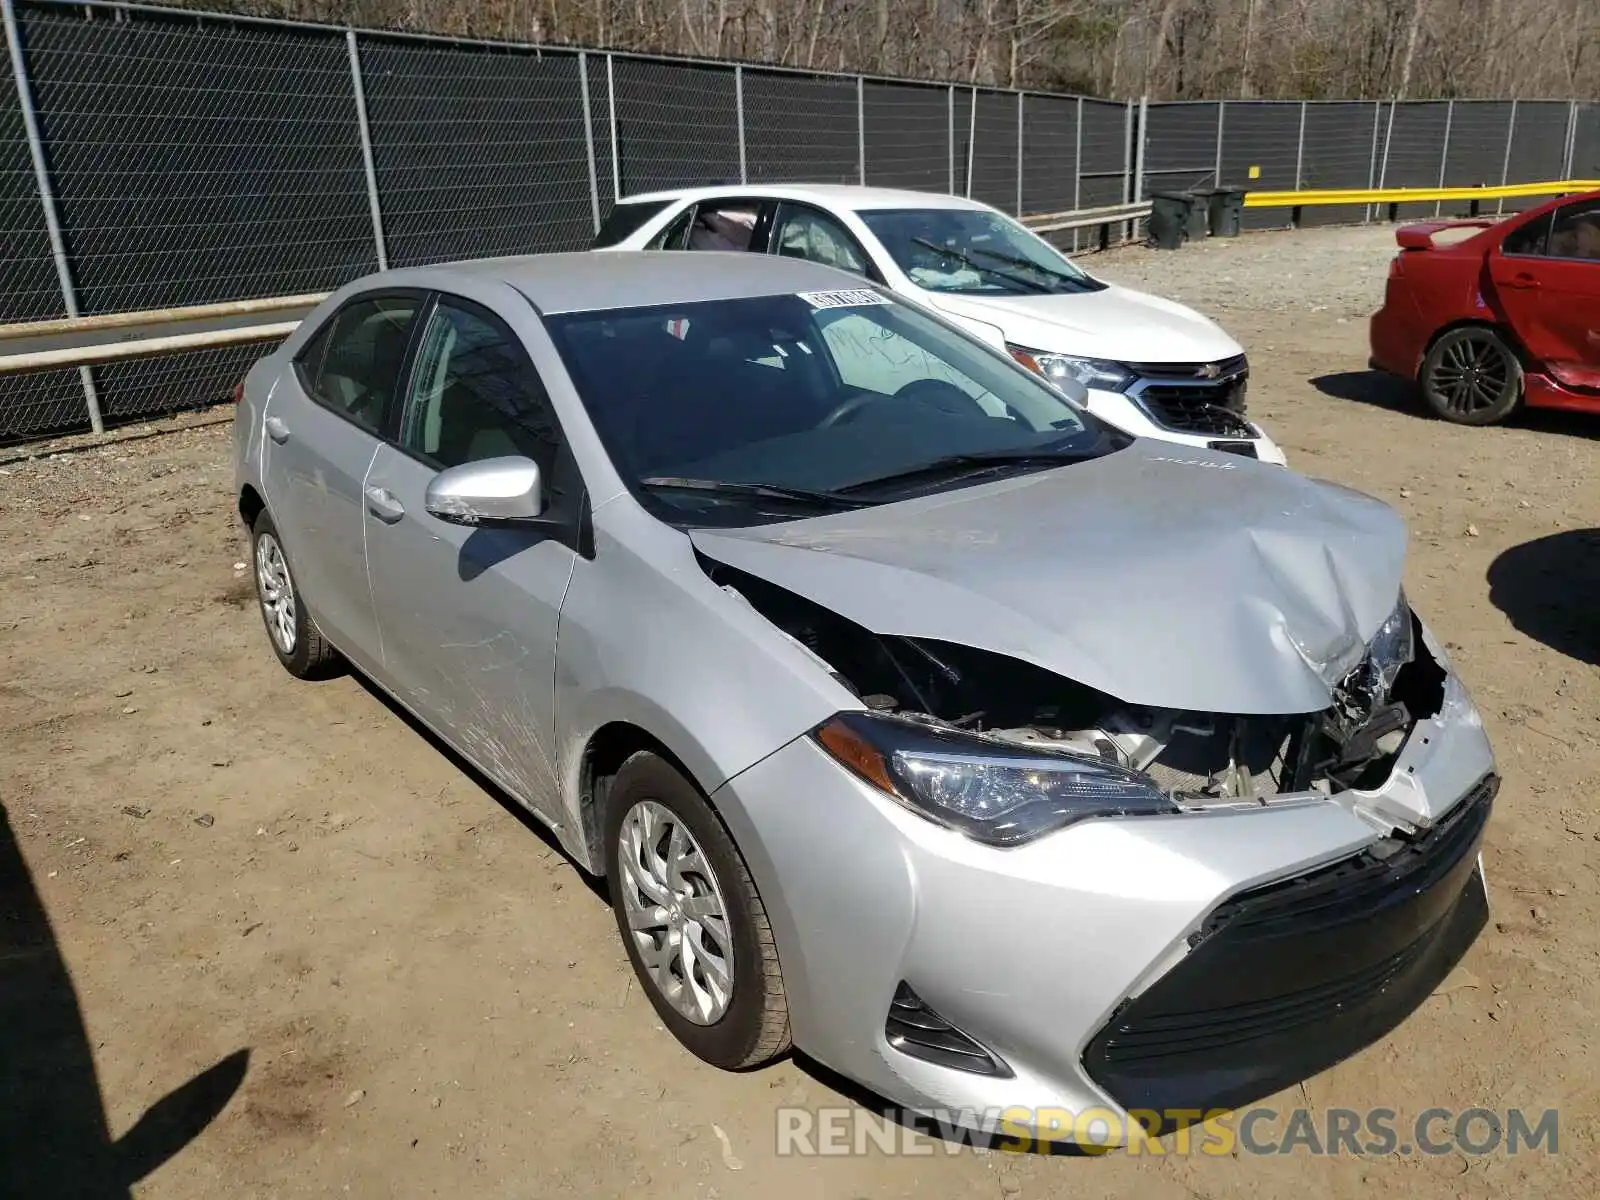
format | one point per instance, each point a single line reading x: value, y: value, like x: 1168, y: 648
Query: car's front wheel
x: 295, y: 638
x: 691, y: 918
x: 1471, y: 376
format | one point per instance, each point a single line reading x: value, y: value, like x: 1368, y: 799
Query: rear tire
x: 294, y: 636
x: 688, y: 911
x: 1471, y: 376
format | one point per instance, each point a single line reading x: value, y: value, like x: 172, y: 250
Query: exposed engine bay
x: 1200, y: 759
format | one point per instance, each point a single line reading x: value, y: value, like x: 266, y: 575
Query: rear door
x: 322, y: 425
x: 468, y: 615
x: 1569, y: 298
x: 1546, y: 276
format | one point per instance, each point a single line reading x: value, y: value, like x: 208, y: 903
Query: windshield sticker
x: 678, y: 327
x: 849, y: 298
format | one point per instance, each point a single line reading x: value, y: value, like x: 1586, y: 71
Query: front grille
x: 1285, y: 980
x: 915, y: 1029
x: 1188, y: 408
x: 1225, y: 368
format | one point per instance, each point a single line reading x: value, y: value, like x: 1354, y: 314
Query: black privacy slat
x: 29, y: 290
x: 908, y: 136
x: 478, y: 151
x: 196, y: 161
x: 800, y: 128
x: 677, y: 125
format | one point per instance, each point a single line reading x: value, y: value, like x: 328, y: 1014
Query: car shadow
x: 1376, y: 388
x: 1547, y: 588
x: 1382, y: 390
x: 54, y: 1138
x: 595, y: 883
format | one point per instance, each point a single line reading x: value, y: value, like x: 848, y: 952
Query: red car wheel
x: 1471, y: 376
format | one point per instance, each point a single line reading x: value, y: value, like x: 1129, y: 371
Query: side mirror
x: 489, y: 491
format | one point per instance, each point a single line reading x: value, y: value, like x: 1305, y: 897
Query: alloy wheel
x: 276, y: 588
x: 675, y: 911
x: 1472, y: 375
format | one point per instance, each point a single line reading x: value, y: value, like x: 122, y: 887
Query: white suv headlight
x: 1090, y: 372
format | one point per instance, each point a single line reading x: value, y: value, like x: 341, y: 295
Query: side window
x: 626, y: 218
x: 802, y: 232
x: 1575, y: 232
x: 724, y: 225
x: 674, y: 235
x: 353, y: 362
x: 475, y: 394
x: 1530, y: 239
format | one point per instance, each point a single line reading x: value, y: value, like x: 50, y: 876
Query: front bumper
x: 1071, y: 959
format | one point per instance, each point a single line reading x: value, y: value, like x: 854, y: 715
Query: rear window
x: 624, y: 220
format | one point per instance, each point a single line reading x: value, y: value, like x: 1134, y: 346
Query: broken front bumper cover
x: 1095, y: 965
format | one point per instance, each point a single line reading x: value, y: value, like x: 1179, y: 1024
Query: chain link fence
x: 154, y: 158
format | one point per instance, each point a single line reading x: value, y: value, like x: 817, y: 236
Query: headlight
x: 982, y: 787
x: 1391, y: 648
x: 1091, y: 372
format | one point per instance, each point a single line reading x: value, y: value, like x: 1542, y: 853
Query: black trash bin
x: 1172, y: 219
x: 1226, y: 211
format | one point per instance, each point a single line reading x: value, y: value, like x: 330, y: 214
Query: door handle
x: 276, y: 430
x: 382, y: 504
x: 1523, y: 280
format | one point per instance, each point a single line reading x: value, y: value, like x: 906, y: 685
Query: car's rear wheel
x: 295, y: 638
x: 1471, y: 376
x: 691, y: 918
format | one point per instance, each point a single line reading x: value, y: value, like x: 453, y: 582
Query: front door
x: 468, y: 615
x: 1547, y: 284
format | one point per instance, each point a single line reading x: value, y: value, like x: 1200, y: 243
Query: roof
x: 584, y: 281
x: 854, y: 197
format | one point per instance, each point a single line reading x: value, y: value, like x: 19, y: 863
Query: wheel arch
x: 251, y: 505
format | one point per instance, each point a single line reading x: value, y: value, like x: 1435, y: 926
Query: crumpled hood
x: 1163, y: 577
x: 1117, y: 323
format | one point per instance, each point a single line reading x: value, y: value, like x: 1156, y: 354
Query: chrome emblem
x: 1209, y: 371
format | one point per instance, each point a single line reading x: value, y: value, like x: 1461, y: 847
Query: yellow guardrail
x: 1510, y: 191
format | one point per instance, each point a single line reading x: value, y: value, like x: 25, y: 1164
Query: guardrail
x: 1390, y: 199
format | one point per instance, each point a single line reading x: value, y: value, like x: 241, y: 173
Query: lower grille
x: 1285, y: 980
x: 1189, y: 409
x: 1243, y: 449
x: 915, y: 1029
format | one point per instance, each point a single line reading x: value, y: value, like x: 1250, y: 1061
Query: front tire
x: 691, y: 918
x: 1471, y: 376
x: 295, y: 638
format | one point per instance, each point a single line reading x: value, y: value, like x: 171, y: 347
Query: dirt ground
x: 433, y: 1001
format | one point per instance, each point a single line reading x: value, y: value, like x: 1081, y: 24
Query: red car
x: 1504, y: 317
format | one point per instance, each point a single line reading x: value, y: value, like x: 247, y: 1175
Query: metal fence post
x: 1572, y: 139
x: 1127, y: 169
x: 47, y: 198
x: 611, y: 110
x: 950, y: 115
x: 1505, y: 161
x: 1077, y: 167
x: 1019, y: 154
x: 1388, y: 136
x: 1372, y: 163
x: 1299, y: 148
x: 972, y: 136
x: 1216, y: 171
x: 1444, y: 153
x: 738, y: 106
x: 861, y: 128
x: 588, y: 141
x: 360, y: 91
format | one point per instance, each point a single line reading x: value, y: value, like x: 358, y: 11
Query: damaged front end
x: 1005, y: 750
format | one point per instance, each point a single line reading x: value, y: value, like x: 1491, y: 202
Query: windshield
x: 774, y: 407
x: 972, y: 251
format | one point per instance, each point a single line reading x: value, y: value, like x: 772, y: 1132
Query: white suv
x: 1151, y: 367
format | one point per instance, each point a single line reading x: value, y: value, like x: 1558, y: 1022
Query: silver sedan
x: 996, y: 758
